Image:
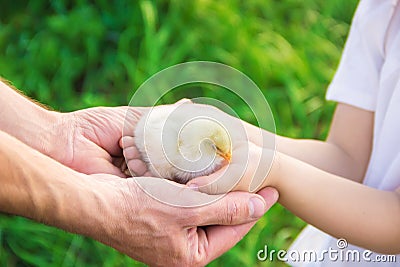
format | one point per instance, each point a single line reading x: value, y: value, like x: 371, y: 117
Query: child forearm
x: 321, y: 154
x: 365, y: 216
x: 346, y: 150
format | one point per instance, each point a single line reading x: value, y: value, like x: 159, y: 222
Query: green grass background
x: 88, y: 53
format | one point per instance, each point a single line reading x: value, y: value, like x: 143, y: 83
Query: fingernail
x: 194, y: 187
x: 256, y: 207
x: 275, y: 196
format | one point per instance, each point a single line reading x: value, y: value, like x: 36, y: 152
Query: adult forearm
x: 37, y: 187
x: 365, y: 216
x: 27, y: 121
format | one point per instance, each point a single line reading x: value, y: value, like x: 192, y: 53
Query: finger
x: 124, y: 169
x: 219, y: 182
x: 270, y: 195
x: 126, y: 141
x: 137, y: 166
x: 216, y: 240
x: 205, y: 180
x: 177, y: 195
x: 132, y: 116
x: 100, y: 165
x: 237, y: 208
x: 103, y: 177
x: 119, y: 162
x: 148, y: 174
x: 131, y: 153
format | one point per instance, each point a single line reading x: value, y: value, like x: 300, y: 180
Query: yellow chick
x: 182, y: 142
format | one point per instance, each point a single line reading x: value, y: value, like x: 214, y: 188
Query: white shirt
x: 368, y: 77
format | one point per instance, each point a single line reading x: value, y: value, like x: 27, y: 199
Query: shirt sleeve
x: 356, y: 80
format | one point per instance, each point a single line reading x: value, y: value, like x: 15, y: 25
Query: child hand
x: 247, y: 171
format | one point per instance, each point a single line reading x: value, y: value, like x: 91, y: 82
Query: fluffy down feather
x: 179, y: 143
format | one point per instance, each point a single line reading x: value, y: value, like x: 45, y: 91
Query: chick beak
x: 227, y: 156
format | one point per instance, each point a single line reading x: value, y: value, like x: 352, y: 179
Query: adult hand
x: 88, y: 140
x: 91, y: 140
x: 159, y: 234
x: 120, y: 214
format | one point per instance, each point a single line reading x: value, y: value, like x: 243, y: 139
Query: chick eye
x: 214, y: 146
